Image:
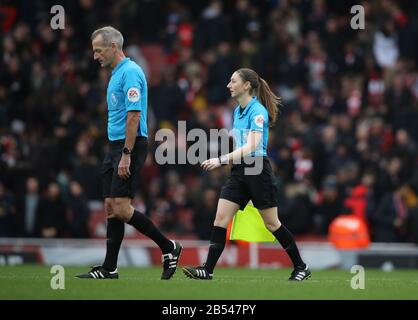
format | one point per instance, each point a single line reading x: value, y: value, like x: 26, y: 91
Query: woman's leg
x: 283, y: 235
x: 224, y: 214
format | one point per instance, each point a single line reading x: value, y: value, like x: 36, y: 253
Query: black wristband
x: 126, y: 150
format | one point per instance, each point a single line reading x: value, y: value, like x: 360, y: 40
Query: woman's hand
x: 211, y: 164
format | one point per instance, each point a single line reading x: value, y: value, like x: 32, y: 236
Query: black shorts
x: 113, y: 185
x: 240, y: 188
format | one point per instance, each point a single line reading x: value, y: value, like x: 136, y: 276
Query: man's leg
x: 171, y: 250
x: 124, y: 211
x: 115, y: 232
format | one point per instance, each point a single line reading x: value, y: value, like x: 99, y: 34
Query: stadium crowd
x: 345, y: 142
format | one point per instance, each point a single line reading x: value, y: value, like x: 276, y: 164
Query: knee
x: 221, y: 220
x: 272, y: 225
x: 108, y: 208
x: 120, y: 208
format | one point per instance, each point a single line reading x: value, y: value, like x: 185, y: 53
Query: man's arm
x: 132, y: 122
x: 132, y: 89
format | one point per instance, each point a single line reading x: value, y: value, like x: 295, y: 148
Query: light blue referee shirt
x: 254, y: 117
x: 127, y: 91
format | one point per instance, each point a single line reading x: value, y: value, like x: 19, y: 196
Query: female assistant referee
x: 251, y: 174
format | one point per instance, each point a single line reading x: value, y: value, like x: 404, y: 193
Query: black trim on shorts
x: 113, y: 185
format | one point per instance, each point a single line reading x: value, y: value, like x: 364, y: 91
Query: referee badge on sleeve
x: 259, y: 120
x: 133, y: 94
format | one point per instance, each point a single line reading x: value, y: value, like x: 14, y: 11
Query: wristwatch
x: 126, y: 150
x: 223, y: 160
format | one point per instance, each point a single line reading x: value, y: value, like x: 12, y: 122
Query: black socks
x: 285, y: 238
x: 217, y: 245
x: 115, y: 232
x: 144, y: 225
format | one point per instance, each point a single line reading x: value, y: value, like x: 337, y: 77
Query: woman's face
x: 237, y: 86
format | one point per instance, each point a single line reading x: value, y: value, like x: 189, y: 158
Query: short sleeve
x: 132, y: 88
x: 258, y: 119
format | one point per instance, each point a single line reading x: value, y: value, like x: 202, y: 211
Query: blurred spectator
x: 205, y: 214
x: 167, y: 97
x: 86, y: 169
x: 361, y: 199
x: 389, y: 218
x: 410, y: 225
x: 52, y: 214
x: 350, y: 106
x: 330, y: 205
x: 220, y: 67
x: 28, y: 208
x: 296, y: 209
x: 211, y: 29
x: 79, y: 211
x: 292, y: 69
x: 385, y: 47
x: 7, y: 211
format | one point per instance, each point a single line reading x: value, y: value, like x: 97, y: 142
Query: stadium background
x: 345, y: 142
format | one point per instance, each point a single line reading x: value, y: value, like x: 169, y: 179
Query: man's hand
x: 123, y: 168
x: 211, y: 164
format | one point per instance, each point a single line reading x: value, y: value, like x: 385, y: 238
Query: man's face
x: 105, y: 54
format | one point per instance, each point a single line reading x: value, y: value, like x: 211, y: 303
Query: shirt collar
x: 120, y: 64
x: 249, y: 105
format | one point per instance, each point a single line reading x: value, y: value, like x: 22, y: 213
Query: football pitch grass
x: 34, y: 282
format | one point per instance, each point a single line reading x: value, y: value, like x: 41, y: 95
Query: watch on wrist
x: 126, y: 150
x: 223, y: 160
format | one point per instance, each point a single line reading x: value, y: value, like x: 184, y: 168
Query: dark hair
x: 261, y: 89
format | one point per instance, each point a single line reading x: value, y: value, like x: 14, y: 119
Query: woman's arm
x: 253, y: 139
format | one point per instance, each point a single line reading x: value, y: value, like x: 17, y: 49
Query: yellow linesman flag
x: 248, y: 225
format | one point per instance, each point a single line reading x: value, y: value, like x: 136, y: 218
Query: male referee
x: 127, y: 133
